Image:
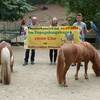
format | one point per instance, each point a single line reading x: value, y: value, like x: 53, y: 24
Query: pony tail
x: 12, y: 63
x: 5, y: 62
x: 60, y: 64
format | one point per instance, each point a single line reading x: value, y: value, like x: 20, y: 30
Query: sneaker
x: 25, y: 63
x: 32, y: 62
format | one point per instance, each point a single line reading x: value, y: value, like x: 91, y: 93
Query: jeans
x: 82, y: 37
x: 27, y: 55
x: 53, y: 55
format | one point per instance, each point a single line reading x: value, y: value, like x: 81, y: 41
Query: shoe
x: 25, y: 63
x: 32, y: 62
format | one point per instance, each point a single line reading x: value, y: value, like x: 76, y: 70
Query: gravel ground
x: 38, y: 81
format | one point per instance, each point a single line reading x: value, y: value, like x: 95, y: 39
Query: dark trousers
x: 53, y: 55
x: 27, y: 55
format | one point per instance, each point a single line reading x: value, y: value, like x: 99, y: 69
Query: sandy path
x: 38, y: 81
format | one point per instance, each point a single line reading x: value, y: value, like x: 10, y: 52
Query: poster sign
x: 51, y: 37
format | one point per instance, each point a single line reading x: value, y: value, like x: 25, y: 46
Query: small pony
x: 76, y: 53
x: 6, y: 62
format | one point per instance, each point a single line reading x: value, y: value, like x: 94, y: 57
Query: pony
x: 76, y: 53
x: 6, y: 62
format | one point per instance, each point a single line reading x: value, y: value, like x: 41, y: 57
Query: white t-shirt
x: 25, y: 31
x: 29, y: 24
x: 82, y: 27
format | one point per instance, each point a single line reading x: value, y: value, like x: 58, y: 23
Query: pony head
x: 95, y: 58
x: 96, y: 64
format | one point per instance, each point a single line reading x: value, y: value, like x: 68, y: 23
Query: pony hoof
x: 86, y: 78
x: 76, y: 78
x: 97, y: 74
x: 65, y: 85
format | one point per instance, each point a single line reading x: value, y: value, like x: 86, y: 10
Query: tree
x: 13, y: 9
x: 87, y: 7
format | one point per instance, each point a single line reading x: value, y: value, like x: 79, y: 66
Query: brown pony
x: 6, y: 62
x: 76, y: 53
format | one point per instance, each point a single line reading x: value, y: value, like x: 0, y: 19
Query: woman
x: 53, y: 52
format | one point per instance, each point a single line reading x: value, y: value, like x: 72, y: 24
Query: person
x: 29, y: 22
x: 82, y: 26
x: 23, y: 28
x: 68, y: 35
x: 96, y: 30
x: 53, y: 52
x: 33, y: 21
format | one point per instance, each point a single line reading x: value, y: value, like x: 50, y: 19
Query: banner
x: 51, y: 37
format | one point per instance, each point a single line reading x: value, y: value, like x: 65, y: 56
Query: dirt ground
x: 38, y: 81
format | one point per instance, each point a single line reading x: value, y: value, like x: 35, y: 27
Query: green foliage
x: 13, y: 9
x: 87, y: 7
x: 33, y: 2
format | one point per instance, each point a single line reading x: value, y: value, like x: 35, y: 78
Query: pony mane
x: 92, y: 49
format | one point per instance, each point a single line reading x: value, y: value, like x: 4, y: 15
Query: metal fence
x: 9, y: 30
